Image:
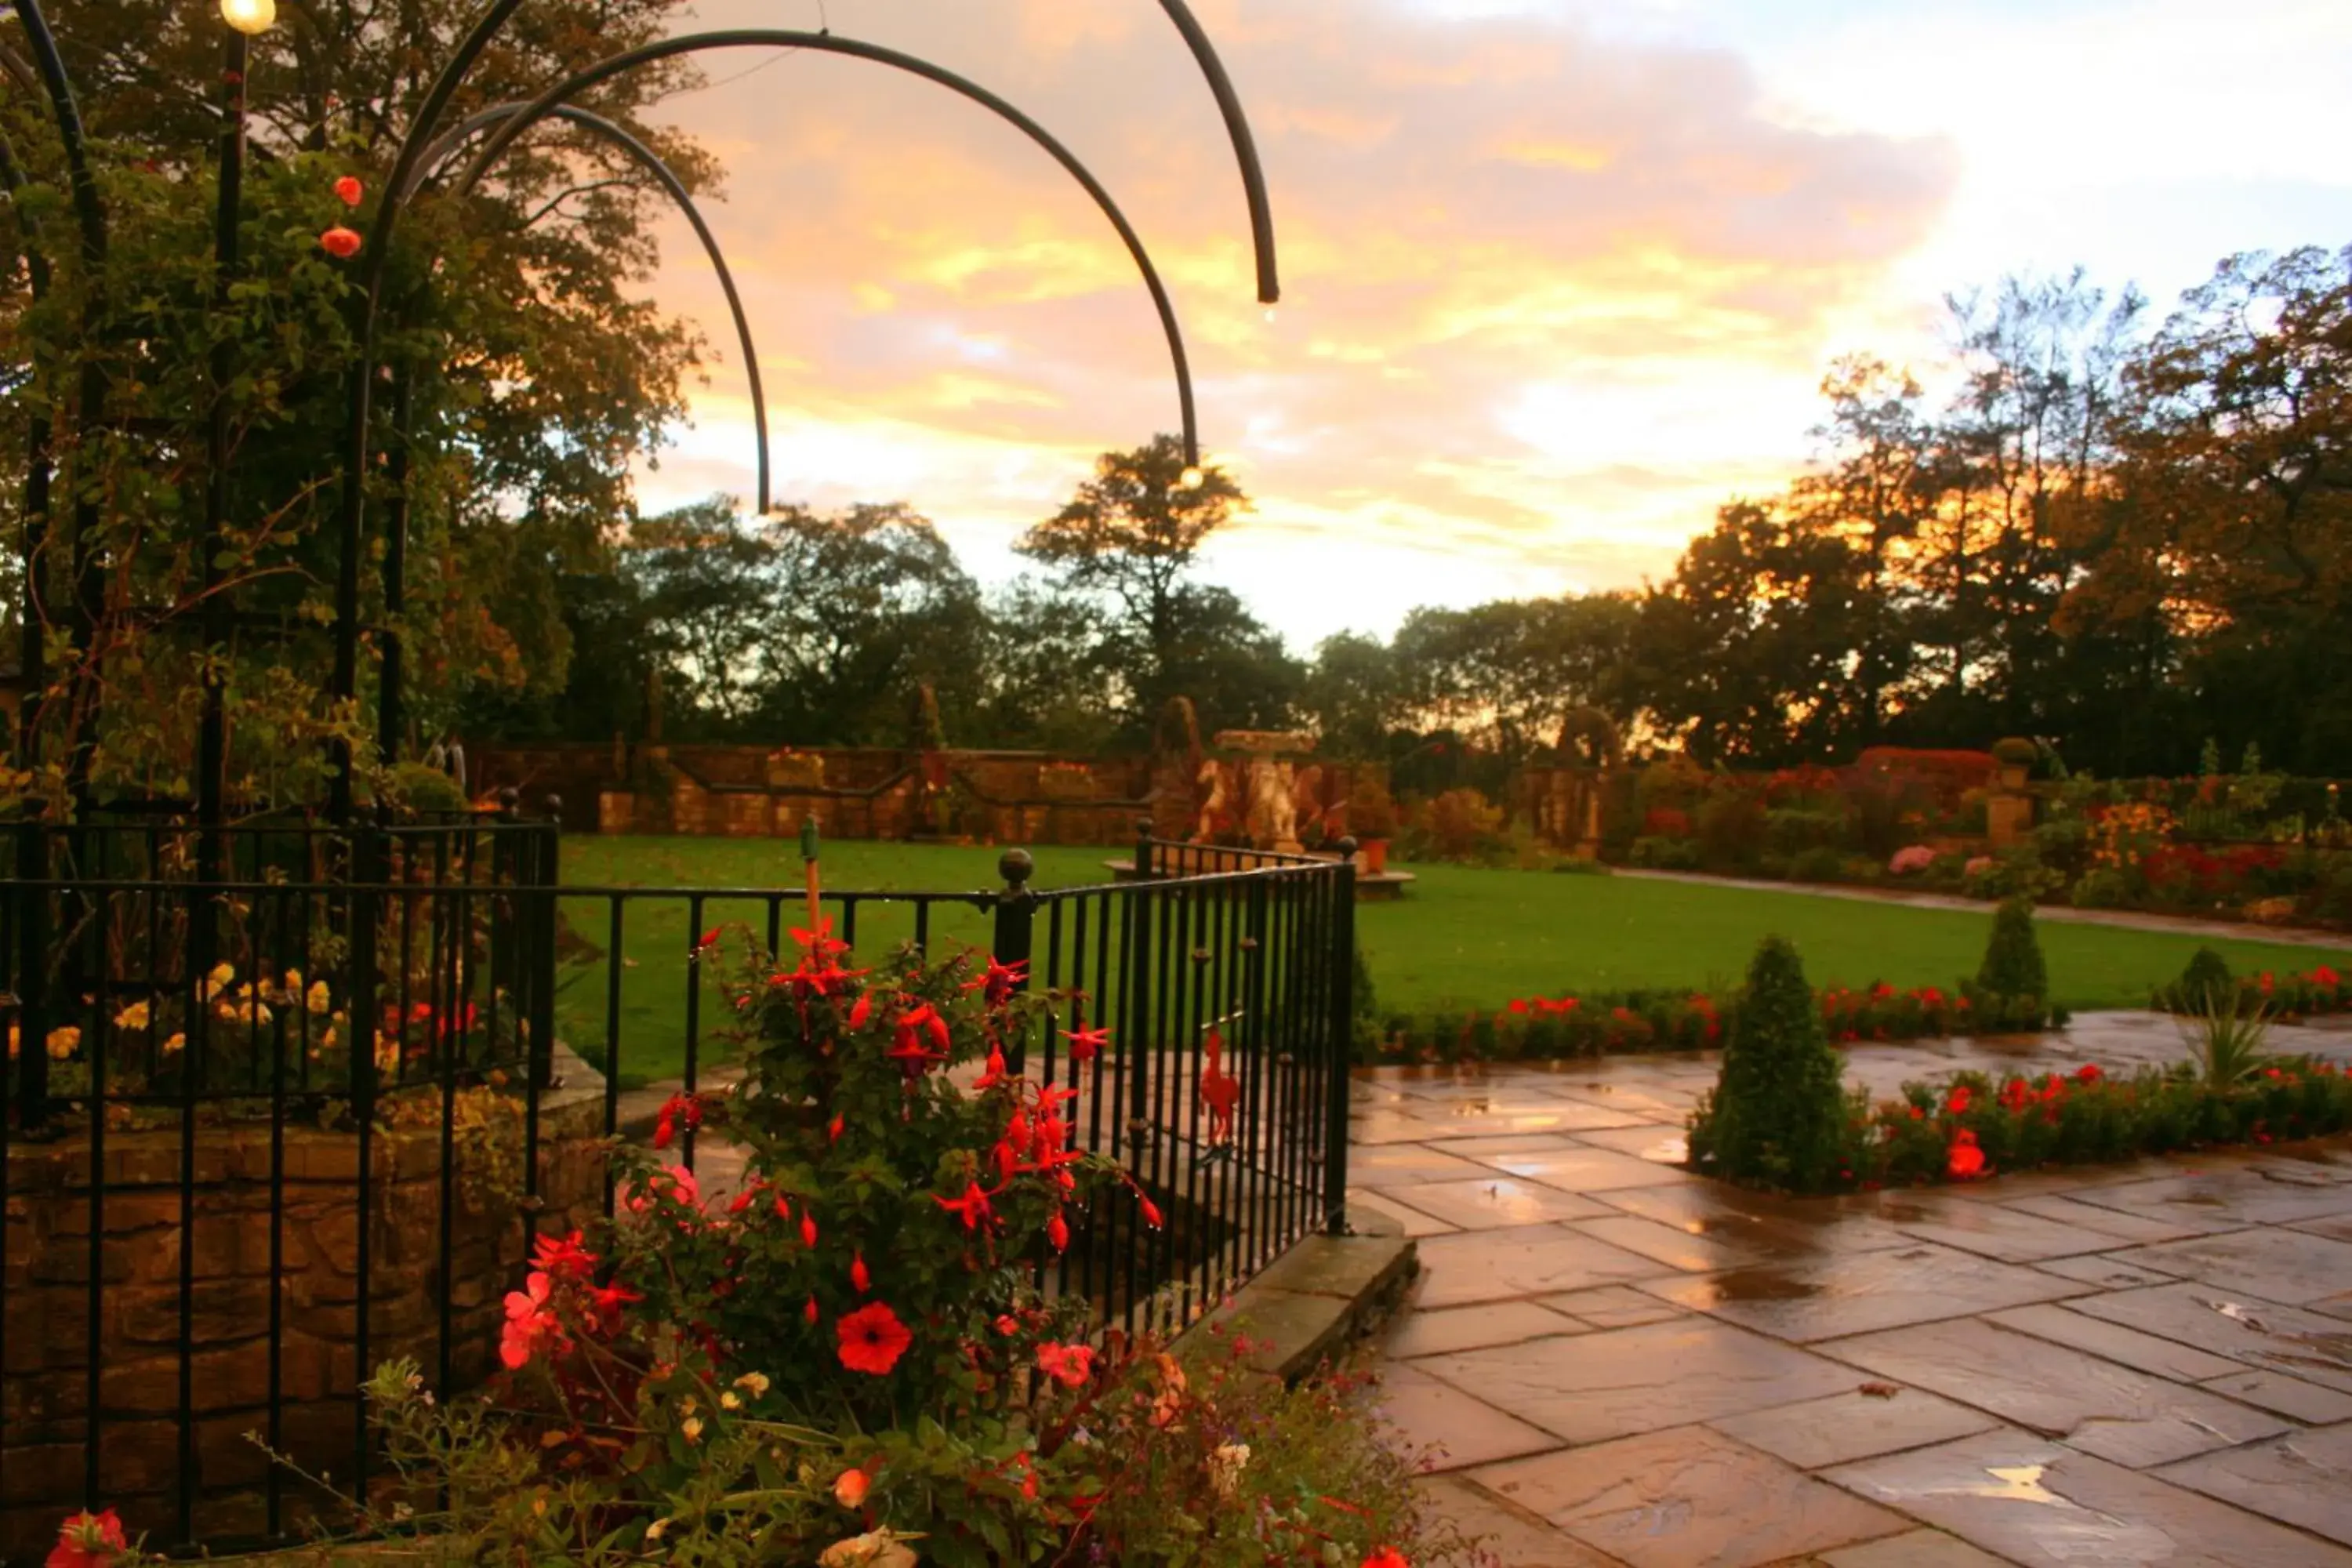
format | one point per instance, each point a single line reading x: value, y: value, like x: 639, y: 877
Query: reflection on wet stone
x: 1822, y: 1298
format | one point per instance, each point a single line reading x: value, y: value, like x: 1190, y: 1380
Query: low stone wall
x: 308, y: 1258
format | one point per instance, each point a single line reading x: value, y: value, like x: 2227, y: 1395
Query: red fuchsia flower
x: 873, y: 1339
x: 1152, y: 1215
x: 88, y: 1539
x: 1957, y: 1104
x: 340, y: 243
x: 1085, y: 1043
x: 1386, y: 1557
x: 1057, y: 1232
x: 607, y: 1301
x: 832, y: 1129
x: 673, y: 1182
x: 347, y: 190
x: 997, y: 985
x: 860, y: 1279
x: 820, y: 943
x: 676, y: 1108
x: 2089, y: 1072
x: 809, y: 1312
x: 973, y: 1207
x: 808, y: 1228
x: 562, y: 1258
x: 1070, y: 1365
x: 994, y: 1076
x: 1967, y: 1162
x: 531, y: 1320
x: 861, y: 1010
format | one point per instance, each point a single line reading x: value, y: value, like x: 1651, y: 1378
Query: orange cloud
x: 1521, y: 262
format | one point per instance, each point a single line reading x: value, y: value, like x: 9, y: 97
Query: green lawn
x: 1474, y: 937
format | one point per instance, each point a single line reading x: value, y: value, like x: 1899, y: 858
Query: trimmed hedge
x: 1775, y: 1117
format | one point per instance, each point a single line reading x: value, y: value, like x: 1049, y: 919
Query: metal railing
x: 268, y: 1126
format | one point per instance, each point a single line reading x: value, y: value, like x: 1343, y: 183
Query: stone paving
x: 1624, y: 1364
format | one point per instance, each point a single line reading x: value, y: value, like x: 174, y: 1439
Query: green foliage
x: 2228, y: 1036
x: 2206, y: 979
x: 1777, y: 1114
x: 2016, y: 1124
x: 1461, y: 827
x: 2012, y: 964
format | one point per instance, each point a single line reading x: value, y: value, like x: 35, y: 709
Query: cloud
x: 1546, y: 291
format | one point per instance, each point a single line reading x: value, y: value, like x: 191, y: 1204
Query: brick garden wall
x: 45, y: 1356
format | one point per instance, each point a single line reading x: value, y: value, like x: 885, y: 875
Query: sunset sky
x: 1558, y: 277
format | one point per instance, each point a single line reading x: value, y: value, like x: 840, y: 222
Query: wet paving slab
x: 2144, y: 1362
x: 2039, y: 1503
x: 1688, y: 1497
x: 1830, y: 1295
x: 2131, y: 1417
x: 1589, y: 1388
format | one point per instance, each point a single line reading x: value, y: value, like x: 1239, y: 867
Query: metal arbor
x: 426, y: 148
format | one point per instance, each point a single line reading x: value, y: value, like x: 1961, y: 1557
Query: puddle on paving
x: 1759, y: 1285
x: 2022, y: 1483
x: 2330, y: 1352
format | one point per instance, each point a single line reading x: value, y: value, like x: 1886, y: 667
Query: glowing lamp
x: 1190, y: 479
x: 251, y: 18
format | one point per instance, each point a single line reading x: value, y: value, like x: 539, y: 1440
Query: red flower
x: 861, y: 1010
x: 820, y: 943
x: 1959, y: 1102
x: 850, y: 1487
x: 859, y: 1277
x: 808, y: 1228
x: 1152, y: 1215
x: 88, y: 1540
x: 709, y: 940
x: 562, y: 1258
x: 1386, y: 1557
x: 678, y: 1108
x: 1967, y: 1161
x: 2014, y: 1094
x: 2267, y: 981
x: 808, y: 1313
x: 1519, y: 1005
x: 1057, y: 1231
x: 529, y: 1320
x: 2089, y: 1072
x: 973, y: 1206
x: 340, y: 242
x: 2324, y: 976
x: 1067, y: 1364
x: 873, y: 1339
x: 347, y: 190
x: 833, y: 1131
x: 1085, y: 1043
x: 996, y: 986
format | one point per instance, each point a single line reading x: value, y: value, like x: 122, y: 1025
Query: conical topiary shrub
x: 1776, y: 1117
x: 2013, y: 966
x: 2204, y: 986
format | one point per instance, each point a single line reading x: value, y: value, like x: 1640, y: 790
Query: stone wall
x: 1005, y: 798
x: 45, y: 1358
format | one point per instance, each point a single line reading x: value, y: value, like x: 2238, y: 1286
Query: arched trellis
x: 423, y: 137
x: 390, y: 691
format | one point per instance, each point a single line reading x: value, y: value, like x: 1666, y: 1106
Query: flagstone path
x: 1624, y: 1364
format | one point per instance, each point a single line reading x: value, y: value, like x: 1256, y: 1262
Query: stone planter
x: 304, y: 1261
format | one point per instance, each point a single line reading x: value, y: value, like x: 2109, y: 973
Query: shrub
x: 1371, y: 813
x: 1822, y: 863
x: 2227, y: 1037
x: 1661, y: 853
x: 2012, y: 964
x: 1910, y: 860
x: 2104, y: 887
x: 2205, y: 980
x: 1731, y: 831
x: 1460, y: 825
x: 2016, y: 752
x: 1792, y: 830
x: 1777, y: 1116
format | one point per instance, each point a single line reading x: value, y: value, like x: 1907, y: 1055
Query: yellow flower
x: 63, y: 1041
x: 13, y: 1037
x: 731, y: 1400
x: 176, y: 1043
x: 387, y: 1052
x: 754, y: 1384
x: 691, y: 1427
x: 317, y: 1001
x: 655, y: 1530
x: 217, y: 981
x: 291, y: 983
x: 132, y: 1018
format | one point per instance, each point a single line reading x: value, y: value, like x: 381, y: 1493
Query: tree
x: 1777, y: 1115
x: 1128, y: 539
x: 1507, y: 674
x: 534, y: 377
x: 1354, y: 693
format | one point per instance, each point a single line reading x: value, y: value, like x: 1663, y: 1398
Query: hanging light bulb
x: 251, y: 18
x: 1190, y: 479
x: 1270, y: 314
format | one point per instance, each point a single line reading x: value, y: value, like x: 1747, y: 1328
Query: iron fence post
x: 1341, y: 1043
x: 1016, y: 910
x: 32, y: 977
x: 1143, y: 849
x: 1135, y: 1027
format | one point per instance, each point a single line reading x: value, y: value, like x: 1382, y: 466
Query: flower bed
x: 1978, y: 1127
x: 2316, y: 993
x: 850, y: 1360
x: 1543, y: 1029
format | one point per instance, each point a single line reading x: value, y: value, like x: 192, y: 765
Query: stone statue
x: 1284, y: 809
x: 1212, y: 803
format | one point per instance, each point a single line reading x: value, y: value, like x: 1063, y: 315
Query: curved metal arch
x: 1237, y: 129
x: 87, y: 211
x: 825, y: 43
x: 440, y: 152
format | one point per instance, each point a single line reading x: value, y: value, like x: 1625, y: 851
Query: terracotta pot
x: 1376, y: 856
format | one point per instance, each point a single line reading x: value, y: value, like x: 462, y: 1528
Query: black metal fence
x: 286, y: 1102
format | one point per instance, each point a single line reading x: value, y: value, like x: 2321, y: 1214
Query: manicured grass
x: 1480, y: 938
x: 1475, y: 937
